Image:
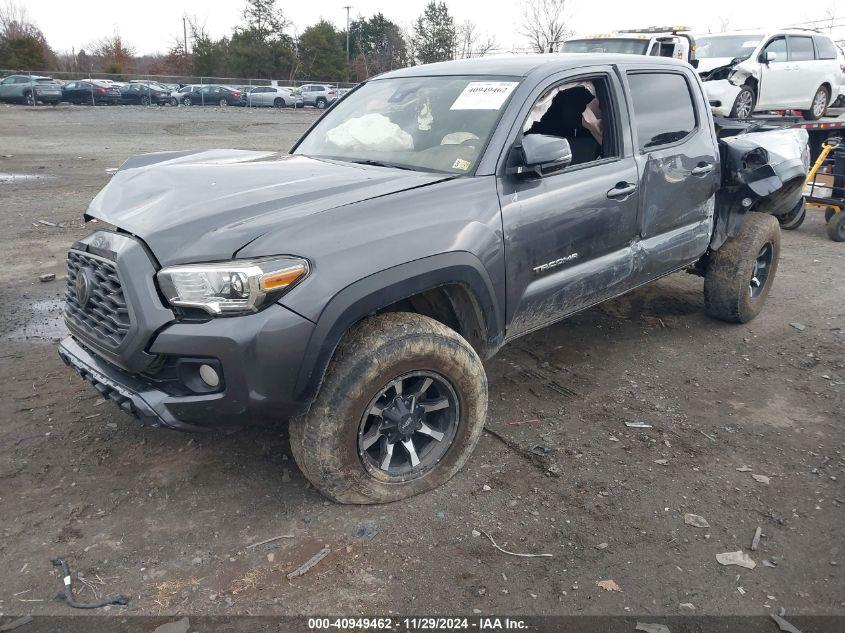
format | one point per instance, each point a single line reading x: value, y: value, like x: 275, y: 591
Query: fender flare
x: 367, y: 296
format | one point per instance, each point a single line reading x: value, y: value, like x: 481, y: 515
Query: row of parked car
x: 32, y: 89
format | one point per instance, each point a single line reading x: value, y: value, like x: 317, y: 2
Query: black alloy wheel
x: 409, y: 426
x: 762, y: 266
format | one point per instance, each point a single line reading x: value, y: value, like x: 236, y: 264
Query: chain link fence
x: 19, y: 85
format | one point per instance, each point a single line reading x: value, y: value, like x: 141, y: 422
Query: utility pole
x: 347, y: 7
x: 185, y: 33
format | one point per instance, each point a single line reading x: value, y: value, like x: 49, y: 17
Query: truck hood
x: 207, y: 205
x: 709, y: 63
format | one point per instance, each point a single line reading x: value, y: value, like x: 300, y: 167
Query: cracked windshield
x: 438, y: 124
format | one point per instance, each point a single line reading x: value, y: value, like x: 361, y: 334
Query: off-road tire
x: 374, y: 352
x: 745, y: 93
x: 794, y: 218
x: 814, y: 114
x: 727, y: 280
x: 836, y: 227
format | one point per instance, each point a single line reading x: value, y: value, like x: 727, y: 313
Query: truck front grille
x: 95, y: 306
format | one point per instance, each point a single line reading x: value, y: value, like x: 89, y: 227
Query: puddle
x: 46, y: 323
x: 9, y: 178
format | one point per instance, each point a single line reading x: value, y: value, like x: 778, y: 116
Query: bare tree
x: 470, y: 43
x: 545, y: 23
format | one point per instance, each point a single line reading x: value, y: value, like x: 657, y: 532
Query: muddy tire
x: 836, y: 227
x: 818, y: 105
x: 794, y: 218
x: 395, y: 378
x: 743, y: 106
x: 740, y: 274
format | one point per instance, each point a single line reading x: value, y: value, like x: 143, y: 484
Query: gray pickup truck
x: 355, y: 284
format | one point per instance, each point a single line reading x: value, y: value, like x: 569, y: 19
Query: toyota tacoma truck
x: 354, y: 285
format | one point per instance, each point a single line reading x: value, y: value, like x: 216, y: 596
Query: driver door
x: 776, y: 77
x: 568, y: 234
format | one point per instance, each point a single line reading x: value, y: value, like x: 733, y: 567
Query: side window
x: 70, y: 86
x: 8, y: 80
x: 801, y: 49
x: 778, y: 47
x: 580, y: 112
x: 663, y: 108
x: 824, y: 47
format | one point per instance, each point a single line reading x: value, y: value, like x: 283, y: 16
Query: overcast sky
x: 153, y: 25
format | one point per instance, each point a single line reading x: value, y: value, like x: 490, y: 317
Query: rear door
x: 808, y: 74
x: 569, y: 234
x: 679, y: 166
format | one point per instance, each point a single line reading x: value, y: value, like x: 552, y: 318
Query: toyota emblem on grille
x: 83, y: 287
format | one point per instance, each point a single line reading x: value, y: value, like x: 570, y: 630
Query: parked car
x: 747, y: 72
x: 176, y: 96
x: 317, y: 95
x: 435, y: 214
x: 90, y: 91
x: 144, y: 94
x: 210, y: 94
x: 30, y: 89
x: 272, y: 96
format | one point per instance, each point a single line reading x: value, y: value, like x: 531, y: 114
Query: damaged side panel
x: 761, y: 171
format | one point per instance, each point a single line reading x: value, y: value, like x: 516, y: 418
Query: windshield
x: 608, y: 45
x: 729, y: 46
x: 423, y: 123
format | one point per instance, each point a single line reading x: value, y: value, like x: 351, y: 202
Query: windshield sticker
x: 461, y: 164
x: 484, y: 95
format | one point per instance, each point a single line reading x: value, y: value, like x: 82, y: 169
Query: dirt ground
x: 166, y: 518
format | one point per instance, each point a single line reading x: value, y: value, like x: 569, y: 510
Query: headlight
x: 237, y: 287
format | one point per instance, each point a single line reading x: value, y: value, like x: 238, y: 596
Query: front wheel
x: 145, y: 101
x: 743, y: 104
x: 174, y: 102
x: 818, y: 105
x: 29, y: 99
x: 223, y: 103
x: 187, y: 101
x: 278, y: 102
x: 740, y: 274
x: 399, y: 412
x: 321, y: 103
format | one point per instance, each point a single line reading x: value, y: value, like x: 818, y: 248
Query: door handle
x: 622, y: 190
x: 702, y: 169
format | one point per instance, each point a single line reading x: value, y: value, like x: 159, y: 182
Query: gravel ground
x: 166, y: 518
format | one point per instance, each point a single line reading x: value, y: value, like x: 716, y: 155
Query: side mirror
x: 694, y: 63
x: 769, y: 57
x: 539, y: 153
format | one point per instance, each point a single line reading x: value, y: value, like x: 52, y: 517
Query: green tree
x: 22, y: 44
x: 322, y: 56
x: 376, y: 45
x: 263, y: 19
x: 434, y: 34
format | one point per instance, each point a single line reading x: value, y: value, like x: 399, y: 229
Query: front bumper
x: 259, y: 354
x: 721, y: 94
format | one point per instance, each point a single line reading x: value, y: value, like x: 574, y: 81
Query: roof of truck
x: 523, y: 65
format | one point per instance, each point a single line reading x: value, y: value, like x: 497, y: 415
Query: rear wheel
x: 829, y: 212
x: 740, y: 274
x: 174, y: 102
x: 145, y: 101
x: 223, y: 103
x: 836, y: 227
x: 794, y: 218
x: 818, y: 105
x: 399, y: 412
x: 743, y: 104
x: 279, y: 102
x: 187, y: 101
x: 29, y: 98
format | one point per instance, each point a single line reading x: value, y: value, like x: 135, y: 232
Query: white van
x: 747, y: 72
x: 668, y: 41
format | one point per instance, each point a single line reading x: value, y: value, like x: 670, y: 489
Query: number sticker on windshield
x: 484, y: 95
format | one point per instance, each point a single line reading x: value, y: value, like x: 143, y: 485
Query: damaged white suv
x: 747, y: 72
